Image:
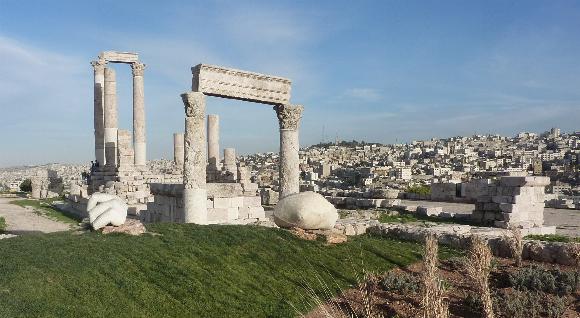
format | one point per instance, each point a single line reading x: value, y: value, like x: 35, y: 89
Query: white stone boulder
x: 305, y: 210
x: 105, y: 209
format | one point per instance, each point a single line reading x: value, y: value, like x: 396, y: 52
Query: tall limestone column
x: 178, y: 154
x: 289, y: 166
x: 99, y: 119
x: 230, y: 164
x: 194, y: 167
x: 213, y: 141
x: 139, y: 144
x: 110, y: 117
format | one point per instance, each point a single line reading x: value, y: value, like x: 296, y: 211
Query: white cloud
x: 364, y: 94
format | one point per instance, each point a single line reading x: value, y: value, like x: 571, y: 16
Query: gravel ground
x: 23, y: 221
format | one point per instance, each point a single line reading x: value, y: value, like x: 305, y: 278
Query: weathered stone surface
x: 235, y: 84
x: 104, y: 209
x: 289, y: 121
x: 178, y: 150
x: 119, y: 57
x: 140, y: 145
x: 335, y: 238
x: 130, y: 227
x: 194, y: 168
x: 509, y: 181
x: 306, y: 210
x: 429, y: 211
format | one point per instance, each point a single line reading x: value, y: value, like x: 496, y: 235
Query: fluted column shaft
x: 111, y: 124
x: 139, y: 143
x: 99, y: 119
x: 194, y: 167
x: 289, y: 165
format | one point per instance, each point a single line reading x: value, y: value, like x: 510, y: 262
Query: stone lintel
x: 241, y: 85
x: 119, y: 57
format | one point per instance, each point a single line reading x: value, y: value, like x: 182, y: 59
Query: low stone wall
x: 361, y: 203
x: 459, y: 236
x: 226, y: 203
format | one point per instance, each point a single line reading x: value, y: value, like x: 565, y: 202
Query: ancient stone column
x: 230, y: 163
x: 194, y: 167
x: 213, y: 141
x: 139, y: 144
x: 110, y: 117
x: 289, y: 166
x: 99, y: 119
x: 178, y: 149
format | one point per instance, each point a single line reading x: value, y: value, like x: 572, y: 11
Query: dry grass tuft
x: 478, y: 269
x: 368, y: 289
x: 433, y: 304
x: 515, y: 242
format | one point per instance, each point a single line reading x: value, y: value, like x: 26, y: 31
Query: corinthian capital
x: 138, y: 68
x: 289, y: 116
x: 194, y: 104
x: 99, y: 65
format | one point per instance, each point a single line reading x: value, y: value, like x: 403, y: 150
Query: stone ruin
x: 46, y: 184
x: 201, y: 188
x: 512, y: 202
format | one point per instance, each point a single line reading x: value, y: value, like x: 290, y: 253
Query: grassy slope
x: 187, y: 271
x: 3, y: 224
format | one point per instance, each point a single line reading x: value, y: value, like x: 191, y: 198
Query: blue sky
x: 381, y: 71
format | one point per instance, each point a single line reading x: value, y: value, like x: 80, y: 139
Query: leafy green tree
x: 26, y: 186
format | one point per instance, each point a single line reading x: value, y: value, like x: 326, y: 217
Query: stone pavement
x: 22, y: 221
x: 567, y: 222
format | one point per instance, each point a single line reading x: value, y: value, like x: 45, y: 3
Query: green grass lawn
x: 3, y: 224
x: 45, y: 208
x: 185, y: 271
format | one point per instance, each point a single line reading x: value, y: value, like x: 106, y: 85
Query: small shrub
x: 553, y: 281
x: 400, y: 282
x: 525, y: 304
x: 473, y: 302
x: 456, y: 262
x: 419, y: 189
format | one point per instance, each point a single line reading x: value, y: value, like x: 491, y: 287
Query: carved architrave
x: 194, y: 103
x: 289, y: 116
x: 138, y: 68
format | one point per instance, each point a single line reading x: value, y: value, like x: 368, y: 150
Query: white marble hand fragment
x: 105, y: 209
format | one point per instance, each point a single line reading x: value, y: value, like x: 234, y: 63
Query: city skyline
x: 433, y: 70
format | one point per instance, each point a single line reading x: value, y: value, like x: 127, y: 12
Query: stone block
x: 237, y: 202
x: 224, y: 190
x: 524, y: 181
x: 236, y: 84
x: 221, y: 203
x: 502, y: 199
x: 429, y: 211
x: 254, y: 201
x: 256, y: 213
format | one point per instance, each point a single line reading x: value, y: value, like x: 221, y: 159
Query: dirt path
x: 23, y: 221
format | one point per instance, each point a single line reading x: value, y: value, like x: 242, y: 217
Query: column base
x: 140, y: 153
x: 195, y: 206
